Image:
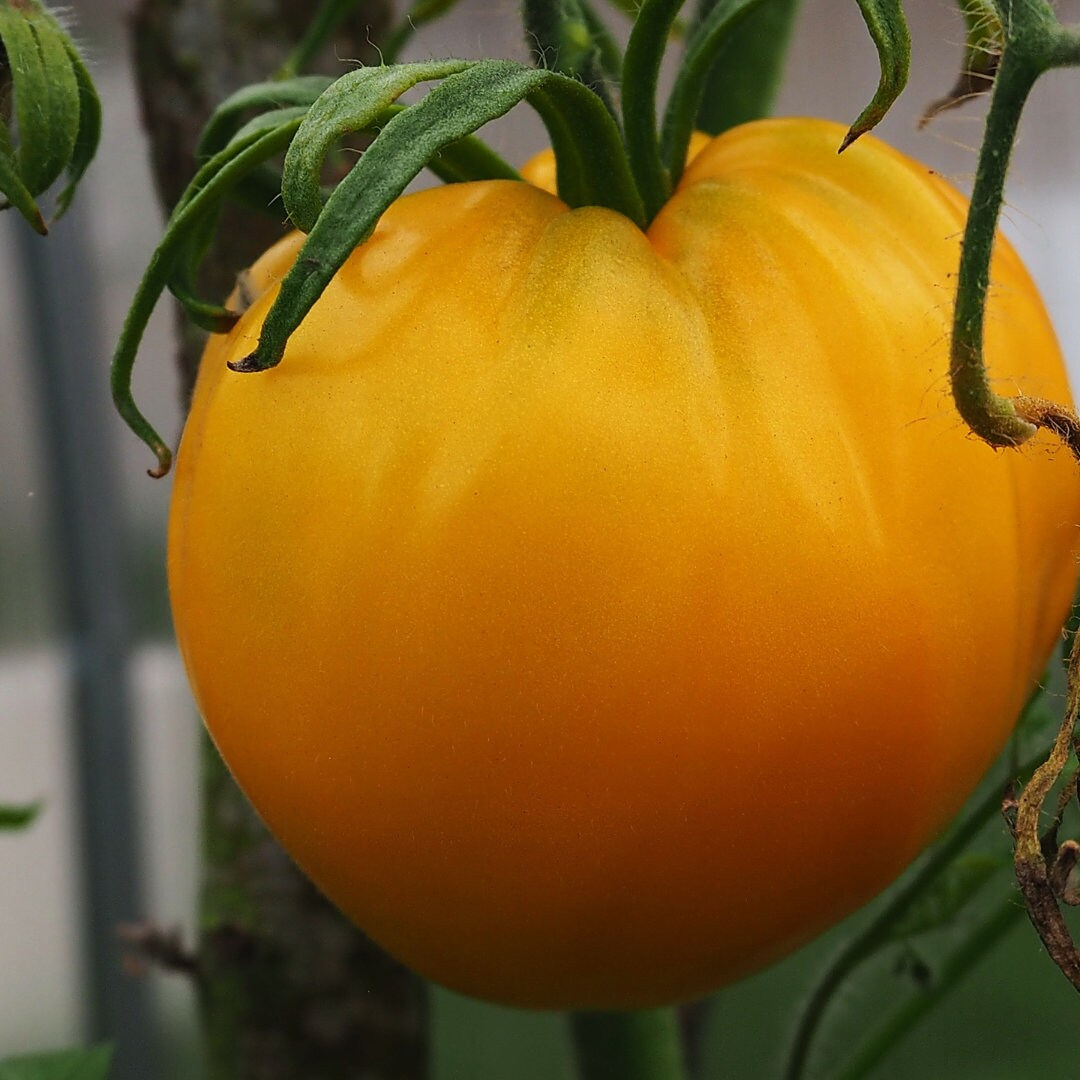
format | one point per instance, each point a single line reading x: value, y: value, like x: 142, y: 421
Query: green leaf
x: 215, y: 181
x: 18, y: 817
x: 747, y: 68
x: 707, y: 42
x: 352, y: 103
x: 16, y: 193
x: 228, y: 118
x: 559, y: 34
x: 641, y: 70
x: 88, y: 136
x: 947, y: 896
x: 984, y: 43
x: 57, y: 110
x: 46, y: 94
x: 592, y: 168
x: 89, y: 1064
x: 608, y: 54
x: 888, y: 27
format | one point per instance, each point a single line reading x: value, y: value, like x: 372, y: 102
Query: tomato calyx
x: 630, y: 166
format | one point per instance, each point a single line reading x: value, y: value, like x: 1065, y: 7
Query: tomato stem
x: 640, y: 1045
x: 1035, y: 42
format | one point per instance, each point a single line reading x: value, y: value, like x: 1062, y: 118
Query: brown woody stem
x: 1038, y: 872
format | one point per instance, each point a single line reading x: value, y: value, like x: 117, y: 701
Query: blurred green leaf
x: 18, y: 817
x: 950, y: 892
x: 83, y: 1064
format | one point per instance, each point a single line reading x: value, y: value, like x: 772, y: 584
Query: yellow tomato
x: 597, y: 615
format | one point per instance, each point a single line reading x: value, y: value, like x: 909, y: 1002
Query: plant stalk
x: 641, y: 1045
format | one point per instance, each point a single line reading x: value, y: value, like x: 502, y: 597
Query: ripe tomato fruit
x: 597, y: 615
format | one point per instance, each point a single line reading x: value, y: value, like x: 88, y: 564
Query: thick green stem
x: 642, y: 1045
x: 1034, y: 43
x: 989, y: 415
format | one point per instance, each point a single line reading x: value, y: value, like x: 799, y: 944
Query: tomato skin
x: 597, y: 616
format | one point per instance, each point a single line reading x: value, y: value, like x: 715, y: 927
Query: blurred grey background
x: 43, y: 983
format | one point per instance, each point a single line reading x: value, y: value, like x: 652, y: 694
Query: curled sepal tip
x: 56, y: 113
x: 220, y: 176
x: 591, y: 163
x: 889, y: 31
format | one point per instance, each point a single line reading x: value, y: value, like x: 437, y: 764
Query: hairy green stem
x: 877, y: 932
x: 1034, y: 43
x: 989, y: 415
x: 641, y: 1045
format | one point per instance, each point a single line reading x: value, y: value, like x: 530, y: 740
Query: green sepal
x: 16, y: 193
x: 888, y: 28
x: 949, y: 893
x: 89, y: 133
x: 18, y: 817
x: 641, y: 71
x: 92, y: 1063
x: 228, y: 118
x: 214, y: 182
x: 983, y: 46
x: 609, y: 56
x: 592, y: 168
x: 46, y: 93
x: 747, y: 69
x: 363, y: 101
x: 706, y: 44
x: 352, y: 103
x: 198, y: 237
x: 469, y: 159
x: 57, y: 111
x: 560, y: 37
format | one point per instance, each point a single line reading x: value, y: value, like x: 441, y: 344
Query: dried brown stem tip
x: 1054, y: 417
x: 1045, y: 870
x: 150, y: 945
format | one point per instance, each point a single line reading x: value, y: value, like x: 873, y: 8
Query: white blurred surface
x: 39, y: 942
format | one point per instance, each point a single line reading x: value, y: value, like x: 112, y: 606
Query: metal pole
x: 59, y: 294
